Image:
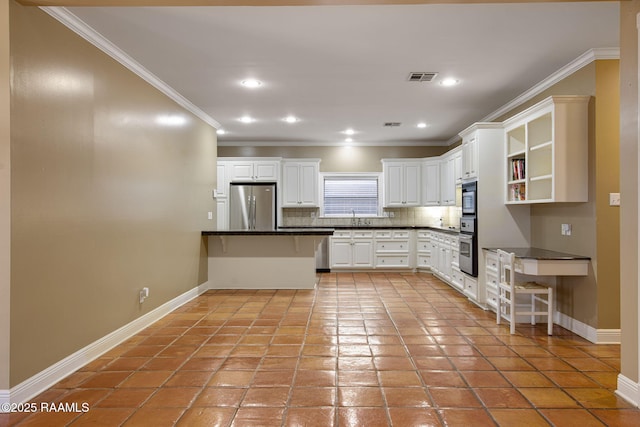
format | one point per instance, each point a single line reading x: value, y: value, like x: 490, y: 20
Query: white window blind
x: 346, y: 196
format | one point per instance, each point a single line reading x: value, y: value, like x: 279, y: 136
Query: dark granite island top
x: 277, y: 232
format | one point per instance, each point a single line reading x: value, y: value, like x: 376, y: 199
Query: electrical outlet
x: 313, y: 215
x: 209, y: 215
x: 566, y: 230
x: 614, y: 199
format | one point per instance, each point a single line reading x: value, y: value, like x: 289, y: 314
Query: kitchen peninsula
x: 264, y: 259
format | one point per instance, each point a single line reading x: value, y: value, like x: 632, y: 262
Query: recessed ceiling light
x: 290, y: 119
x: 221, y: 132
x: 247, y: 119
x: 251, y: 83
x: 422, y: 125
x: 349, y: 131
x: 449, y: 81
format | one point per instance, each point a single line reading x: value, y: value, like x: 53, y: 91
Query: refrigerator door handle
x: 253, y: 214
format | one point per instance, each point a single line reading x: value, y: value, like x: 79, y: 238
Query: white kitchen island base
x: 263, y: 260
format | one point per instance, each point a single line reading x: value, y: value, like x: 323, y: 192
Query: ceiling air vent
x: 391, y: 124
x: 421, y: 77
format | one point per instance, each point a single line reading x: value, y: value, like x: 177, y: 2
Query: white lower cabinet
x: 403, y: 249
x: 352, y: 249
x: 491, y: 277
x: 457, y: 278
x: 423, y: 249
x: 393, y: 249
x: 471, y: 287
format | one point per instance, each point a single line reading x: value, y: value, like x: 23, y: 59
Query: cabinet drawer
x: 392, y: 246
x: 422, y: 234
x: 492, y: 280
x: 491, y: 261
x: 470, y: 287
x: 383, y: 234
x: 392, y: 261
x: 342, y: 233
x: 424, y: 261
x: 492, y: 300
x: 400, y: 234
x: 362, y: 234
x: 423, y: 246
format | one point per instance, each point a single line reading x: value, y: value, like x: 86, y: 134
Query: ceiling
x: 340, y: 67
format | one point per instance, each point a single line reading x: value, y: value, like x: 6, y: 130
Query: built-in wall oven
x: 468, y: 249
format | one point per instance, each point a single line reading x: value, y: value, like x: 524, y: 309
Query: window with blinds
x: 346, y: 196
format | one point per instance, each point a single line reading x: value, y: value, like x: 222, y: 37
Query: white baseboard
x: 4, y: 398
x: 596, y: 336
x: 60, y: 370
x: 609, y: 336
x: 628, y: 390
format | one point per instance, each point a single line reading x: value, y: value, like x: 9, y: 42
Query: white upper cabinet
x: 300, y: 183
x: 469, y: 157
x: 431, y: 183
x: 546, y: 150
x: 402, y: 183
x: 259, y: 170
x: 458, y: 175
x: 222, y: 183
x: 447, y: 181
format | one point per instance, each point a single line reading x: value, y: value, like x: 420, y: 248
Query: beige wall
x: 607, y: 170
x: 629, y: 188
x: 105, y: 200
x: 5, y: 188
x: 335, y: 158
x: 593, y: 299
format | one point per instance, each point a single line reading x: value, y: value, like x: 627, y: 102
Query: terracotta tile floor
x: 361, y: 350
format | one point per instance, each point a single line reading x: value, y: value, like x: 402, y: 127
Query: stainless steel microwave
x: 469, y: 201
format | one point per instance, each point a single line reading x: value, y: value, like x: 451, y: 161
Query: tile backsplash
x: 422, y: 216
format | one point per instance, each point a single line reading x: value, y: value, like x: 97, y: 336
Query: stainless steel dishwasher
x: 322, y: 257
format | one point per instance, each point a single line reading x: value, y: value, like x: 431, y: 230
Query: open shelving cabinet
x: 546, y: 150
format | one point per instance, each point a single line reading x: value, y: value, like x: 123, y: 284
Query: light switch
x: 614, y: 199
x: 210, y: 215
x: 566, y: 230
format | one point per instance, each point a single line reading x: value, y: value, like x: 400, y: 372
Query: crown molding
x: 222, y: 143
x: 580, y: 62
x: 78, y: 26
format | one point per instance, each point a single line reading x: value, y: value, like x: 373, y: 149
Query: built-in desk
x: 543, y: 262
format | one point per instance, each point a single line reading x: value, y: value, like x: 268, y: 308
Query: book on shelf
x: 517, y: 192
x: 517, y: 169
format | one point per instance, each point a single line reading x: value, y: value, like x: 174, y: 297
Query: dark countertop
x: 277, y: 232
x: 380, y: 227
x: 540, y: 254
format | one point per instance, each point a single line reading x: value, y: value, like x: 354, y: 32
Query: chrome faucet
x: 353, y: 219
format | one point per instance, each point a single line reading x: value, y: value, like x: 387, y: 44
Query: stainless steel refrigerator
x: 252, y: 206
